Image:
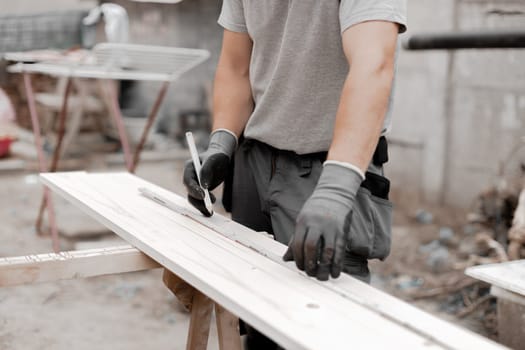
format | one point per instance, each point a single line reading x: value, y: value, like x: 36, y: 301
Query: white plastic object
x: 197, y: 165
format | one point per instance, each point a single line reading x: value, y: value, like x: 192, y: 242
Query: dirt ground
x: 136, y: 311
x: 411, y: 274
x: 128, y: 311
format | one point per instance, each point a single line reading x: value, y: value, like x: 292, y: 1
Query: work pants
x: 269, y: 189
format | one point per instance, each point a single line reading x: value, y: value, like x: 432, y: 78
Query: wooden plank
x: 71, y: 265
x: 199, y: 322
x: 247, y: 278
x: 54, y: 101
x: 228, y: 329
x: 511, y: 324
x: 201, y: 308
x: 501, y: 293
x: 348, y: 287
x: 12, y: 165
x: 508, y: 275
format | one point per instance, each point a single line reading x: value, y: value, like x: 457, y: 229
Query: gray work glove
x: 215, y: 164
x: 323, y: 225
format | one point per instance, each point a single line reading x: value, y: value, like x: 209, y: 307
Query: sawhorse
x: 201, y: 309
x: 107, y: 261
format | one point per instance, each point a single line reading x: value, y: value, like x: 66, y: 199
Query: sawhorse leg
x: 151, y: 119
x: 112, y: 93
x: 132, y: 160
x: 46, y: 200
x: 227, y: 328
x: 201, y: 308
x: 56, y: 156
x: 199, y: 322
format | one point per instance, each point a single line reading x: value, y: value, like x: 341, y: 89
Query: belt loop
x: 306, y: 163
x: 305, y: 166
x: 246, y: 144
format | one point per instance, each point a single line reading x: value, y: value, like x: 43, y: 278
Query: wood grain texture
x: 348, y: 287
x: 228, y: 329
x: 182, y: 290
x: 70, y: 265
x: 511, y: 324
x: 227, y: 323
x: 199, y: 322
x: 508, y: 275
x: 243, y: 271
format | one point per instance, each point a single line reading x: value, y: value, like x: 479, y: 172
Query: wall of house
x: 24, y: 7
x: 458, y: 114
x: 31, y: 24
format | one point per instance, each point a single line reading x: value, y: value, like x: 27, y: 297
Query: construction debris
x: 449, y: 288
x: 447, y: 237
x: 489, y: 252
x: 516, y: 235
x: 424, y: 217
x: 438, y: 260
x: 494, y: 209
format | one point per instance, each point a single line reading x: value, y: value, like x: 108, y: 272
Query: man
x: 306, y: 85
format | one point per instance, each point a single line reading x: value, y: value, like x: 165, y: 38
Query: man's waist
x: 379, y: 157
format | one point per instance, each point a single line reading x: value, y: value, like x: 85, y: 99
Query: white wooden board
x: 508, y: 275
x: 74, y: 264
x: 243, y: 271
x: 504, y: 294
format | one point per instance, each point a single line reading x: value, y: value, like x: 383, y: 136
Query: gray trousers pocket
x: 371, y: 226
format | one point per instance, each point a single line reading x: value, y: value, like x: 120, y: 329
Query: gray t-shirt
x: 298, y: 66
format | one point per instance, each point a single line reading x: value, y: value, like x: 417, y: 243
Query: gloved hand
x: 322, y: 226
x: 215, y: 162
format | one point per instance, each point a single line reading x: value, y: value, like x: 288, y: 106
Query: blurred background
x: 456, y: 164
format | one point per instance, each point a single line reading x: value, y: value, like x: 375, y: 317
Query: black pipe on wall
x: 466, y: 40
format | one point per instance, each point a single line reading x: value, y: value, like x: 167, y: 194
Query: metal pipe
x: 466, y: 40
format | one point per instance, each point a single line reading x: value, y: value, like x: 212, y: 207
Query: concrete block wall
x: 24, y: 7
x: 30, y: 24
x: 416, y: 148
x: 458, y: 114
x: 488, y: 105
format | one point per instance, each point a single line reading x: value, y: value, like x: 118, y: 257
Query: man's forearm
x: 360, y: 116
x: 232, y: 100
x: 232, y: 93
x: 370, y: 49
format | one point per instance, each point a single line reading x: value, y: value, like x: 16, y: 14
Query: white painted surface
x: 24, y: 7
x: 504, y: 294
x: 508, y: 275
x: 71, y: 265
x: 123, y: 62
x: 294, y: 310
